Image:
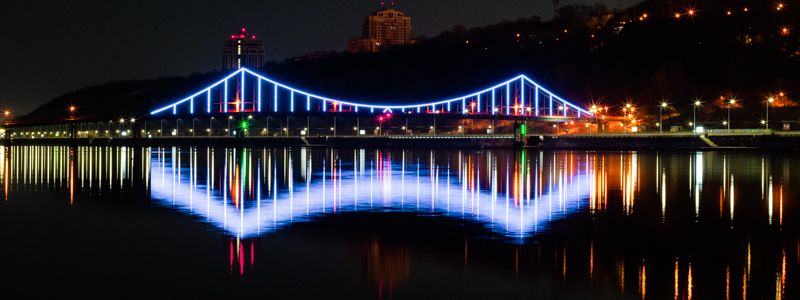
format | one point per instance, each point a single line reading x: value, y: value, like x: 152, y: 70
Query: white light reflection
x: 390, y: 180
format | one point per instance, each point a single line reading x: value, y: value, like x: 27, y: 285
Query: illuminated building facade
x: 243, y: 50
x: 383, y: 29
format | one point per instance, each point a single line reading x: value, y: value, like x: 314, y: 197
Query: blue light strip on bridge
x: 523, y: 79
x: 225, y: 97
x: 522, y: 94
x: 493, y: 98
x: 241, y: 95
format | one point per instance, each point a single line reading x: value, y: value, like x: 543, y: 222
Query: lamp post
x: 6, y: 116
x: 72, y: 109
x: 694, y: 115
x: 660, y: 114
x: 380, y: 124
x: 121, y: 125
x: 730, y: 105
x: 211, y: 126
x: 769, y: 101
x: 229, y: 124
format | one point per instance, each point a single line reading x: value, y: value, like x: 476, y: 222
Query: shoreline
x: 686, y: 141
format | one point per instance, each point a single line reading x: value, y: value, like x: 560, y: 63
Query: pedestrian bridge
x: 245, y: 91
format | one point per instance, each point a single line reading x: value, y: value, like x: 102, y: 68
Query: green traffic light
x: 523, y: 129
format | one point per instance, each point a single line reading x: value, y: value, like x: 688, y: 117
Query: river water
x: 398, y: 223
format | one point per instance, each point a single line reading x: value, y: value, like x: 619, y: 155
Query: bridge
x: 249, y: 92
x: 246, y: 104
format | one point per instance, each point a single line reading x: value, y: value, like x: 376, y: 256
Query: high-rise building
x: 243, y: 50
x: 383, y: 29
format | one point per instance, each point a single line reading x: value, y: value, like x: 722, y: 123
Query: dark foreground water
x: 397, y: 224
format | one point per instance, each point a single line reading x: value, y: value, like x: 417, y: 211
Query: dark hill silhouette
x: 587, y: 54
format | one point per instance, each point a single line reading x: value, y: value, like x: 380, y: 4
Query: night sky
x: 49, y: 48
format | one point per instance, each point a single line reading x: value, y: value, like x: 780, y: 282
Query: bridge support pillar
x: 520, y: 134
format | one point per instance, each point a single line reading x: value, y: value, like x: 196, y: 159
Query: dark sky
x: 48, y: 48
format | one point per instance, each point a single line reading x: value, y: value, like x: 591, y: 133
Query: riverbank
x: 781, y: 141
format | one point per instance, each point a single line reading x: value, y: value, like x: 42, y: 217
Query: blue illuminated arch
x: 253, y: 92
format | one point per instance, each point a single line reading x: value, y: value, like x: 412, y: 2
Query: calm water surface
x: 398, y: 224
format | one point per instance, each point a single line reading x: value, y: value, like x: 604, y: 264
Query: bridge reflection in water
x: 713, y: 225
x: 247, y: 193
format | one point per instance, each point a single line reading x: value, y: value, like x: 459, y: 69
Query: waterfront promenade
x: 719, y: 140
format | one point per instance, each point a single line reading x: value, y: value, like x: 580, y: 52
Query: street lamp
x: 697, y: 104
x: 730, y: 105
x: 6, y: 116
x: 210, y: 126
x: 229, y: 124
x: 660, y: 113
x: 769, y: 101
x: 72, y: 109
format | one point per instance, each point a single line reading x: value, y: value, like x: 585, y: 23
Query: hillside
x: 644, y: 55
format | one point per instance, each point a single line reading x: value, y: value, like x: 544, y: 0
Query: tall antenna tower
x: 555, y: 8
